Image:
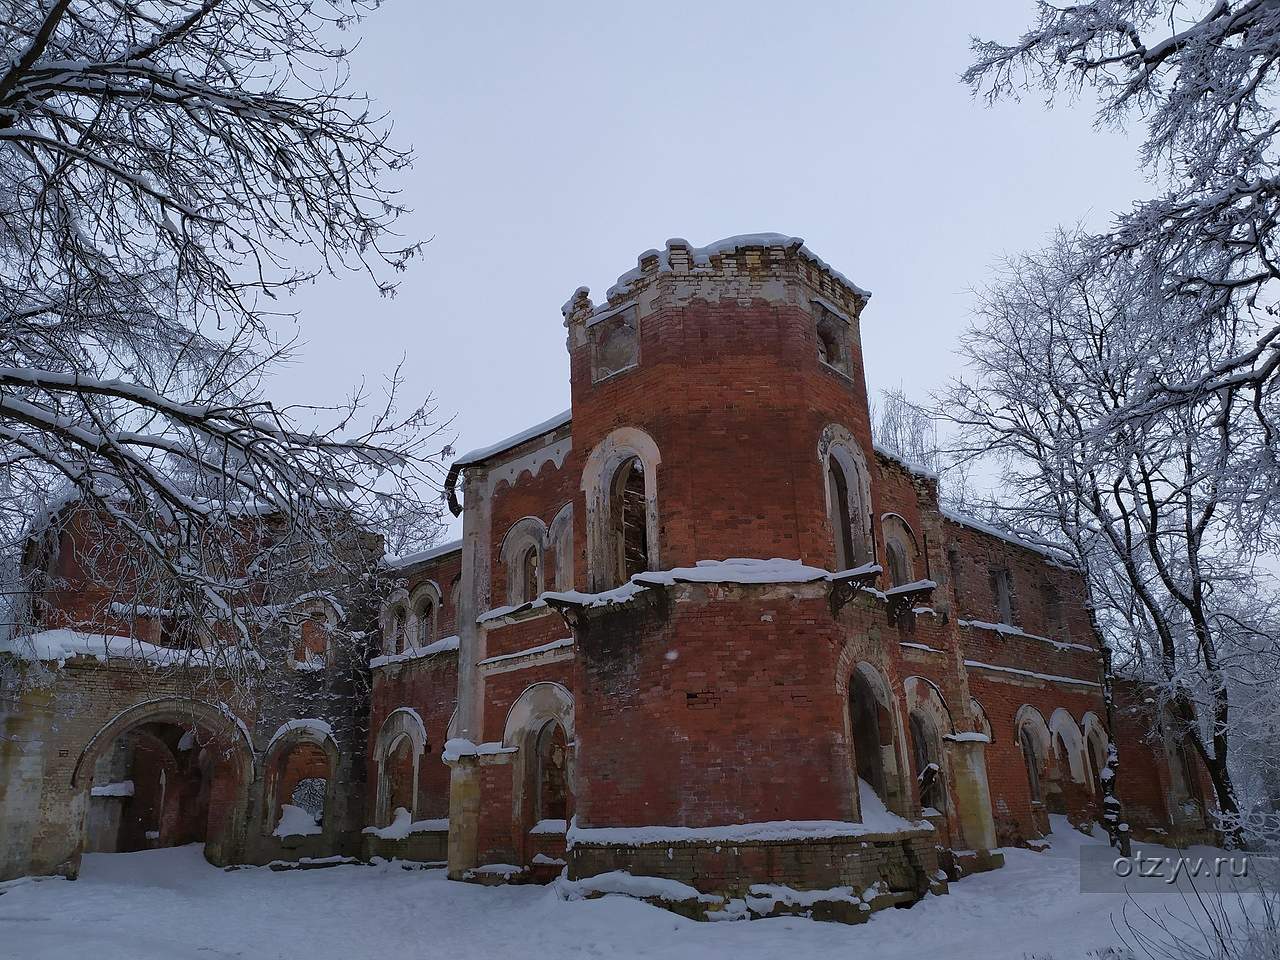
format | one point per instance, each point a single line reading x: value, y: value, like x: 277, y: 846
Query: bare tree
x: 164, y: 166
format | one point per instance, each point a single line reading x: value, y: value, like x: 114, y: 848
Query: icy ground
x: 170, y: 905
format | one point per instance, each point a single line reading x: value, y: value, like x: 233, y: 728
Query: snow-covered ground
x: 170, y: 904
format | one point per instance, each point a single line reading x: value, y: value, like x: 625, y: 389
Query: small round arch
x: 523, y: 550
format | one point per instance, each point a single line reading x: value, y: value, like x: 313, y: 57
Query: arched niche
x: 626, y: 449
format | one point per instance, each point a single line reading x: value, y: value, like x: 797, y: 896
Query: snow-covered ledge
x: 744, y: 571
x: 1011, y: 630
x: 459, y: 750
x: 553, y: 652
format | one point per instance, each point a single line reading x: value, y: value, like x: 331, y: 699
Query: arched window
x: 523, y: 550
x: 899, y: 550
x: 528, y: 573
x: 551, y: 799
x: 395, y: 639
x: 399, y: 772
x: 841, y: 522
x: 314, y: 621
x: 311, y: 649
x: 620, y: 489
x: 848, y: 494
x: 426, y: 622
x: 631, y: 530
x: 864, y: 721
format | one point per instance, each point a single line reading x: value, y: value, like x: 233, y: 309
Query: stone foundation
x: 424, y: 847
x: 903, y: 863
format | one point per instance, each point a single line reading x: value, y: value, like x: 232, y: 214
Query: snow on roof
x: 1056, y: 554
x: 421, y: 556
x: 484, y: 453
x: 700, y: 257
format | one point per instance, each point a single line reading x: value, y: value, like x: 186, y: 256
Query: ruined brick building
x: 593, y: 678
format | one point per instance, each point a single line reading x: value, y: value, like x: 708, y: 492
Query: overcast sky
x: 557, y: 141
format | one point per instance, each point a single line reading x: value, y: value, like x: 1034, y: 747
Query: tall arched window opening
x: 551, y: 787
x: 841, y: 522
x: 864, y: 722
x: 928, y: 770
x: 529, y: 574
x: 426, y: 623
x: 1032, y: 761
x: 899, y: 564
x: 631, y: 528
x: 399, y: 777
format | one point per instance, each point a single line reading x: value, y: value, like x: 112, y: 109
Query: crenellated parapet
x: 771, y: 267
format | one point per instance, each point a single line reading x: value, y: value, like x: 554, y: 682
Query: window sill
x: 834, y: 369
x: 613, y: 373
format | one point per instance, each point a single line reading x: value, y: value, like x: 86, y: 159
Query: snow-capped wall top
x: 420, y: 556
x: 679, y: 256
x: 484, y: 453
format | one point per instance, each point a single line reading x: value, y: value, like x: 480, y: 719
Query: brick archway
x: 231, y: 751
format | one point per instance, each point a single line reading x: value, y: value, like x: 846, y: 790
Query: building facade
x: 698, y: 627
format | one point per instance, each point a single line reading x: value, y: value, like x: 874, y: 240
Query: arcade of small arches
x: 899, y: 746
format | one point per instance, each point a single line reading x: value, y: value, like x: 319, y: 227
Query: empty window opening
x: 398, y: 771
x: 928, y: 770
x: 311, y: 647
x: 426, y: 623
x: 865, y: 724
x: 529, y: 574
x: 1002, y: 594
x: 615, y: 345
x: 630, y: 512
x: 395, y: 641
x: 841, y: 522
x: 899, y: 563
x: 833, y: 340
x: 551, y: 787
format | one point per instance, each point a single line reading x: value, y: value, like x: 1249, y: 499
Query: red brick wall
x: 429, y: 686
x: 736, y: 400
x: 705, y: 718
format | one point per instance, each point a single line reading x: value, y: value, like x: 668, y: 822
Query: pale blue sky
x: 557, y: 141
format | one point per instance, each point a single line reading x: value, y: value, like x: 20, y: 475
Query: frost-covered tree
x: 164, y: 168
x: 1150, y: 504
x: 1201, y: 79
x: 909, y: 430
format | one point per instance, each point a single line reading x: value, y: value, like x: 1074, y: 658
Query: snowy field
x: 170, y: 905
